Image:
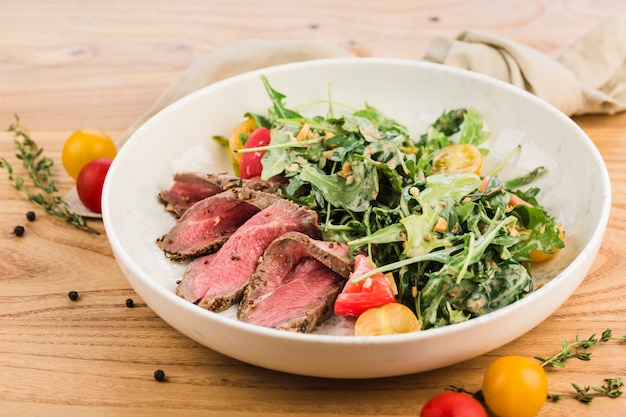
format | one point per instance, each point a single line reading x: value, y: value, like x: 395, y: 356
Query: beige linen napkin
x: 587, y: 77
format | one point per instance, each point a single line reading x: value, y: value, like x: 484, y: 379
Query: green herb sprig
x: 577, y: 349
x: 38, y: 168
x: 612, y: 388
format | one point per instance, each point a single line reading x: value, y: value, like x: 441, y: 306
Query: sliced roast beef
x: 296, y: 283
x: 206, y: 225
x: 190, y: 187
x: 218, y: 280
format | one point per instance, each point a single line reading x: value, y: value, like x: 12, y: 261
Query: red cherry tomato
x: 453, y: 404
x: 359, y: 295
x: 250, y: 164
x: 90, y: 182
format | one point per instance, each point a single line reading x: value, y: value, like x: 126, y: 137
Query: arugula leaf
x: 280, y: 110
x: 382, y: 122
x: 524, y: 179
x: 441, y: 291
x: 259, y: 120
x: 539, y: 235
x: 355, y: 196
x: 472, y: 129
x: 393, y: 233
x: 505, y: 284
x: 421, y: 237
x: 470, y: 283
x: 366, y: 128
x: 341, y: 145
x: 434, y: 141
x: 450, y: 122
x: 276, y: 160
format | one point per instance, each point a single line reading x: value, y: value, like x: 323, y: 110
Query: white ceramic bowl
x: 575, y: 187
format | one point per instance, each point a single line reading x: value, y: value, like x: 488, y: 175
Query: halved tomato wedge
x: 250, y: 165
x: 390, y: 318
x: 359, y: 295
x: 235, y: 140
x: 458, y: 158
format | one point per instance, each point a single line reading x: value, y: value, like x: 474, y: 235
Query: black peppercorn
x: 73, y: 295
x: 159, y: 375
x: 130, y: 303
x: 31, y: 216
x: 19, y: 231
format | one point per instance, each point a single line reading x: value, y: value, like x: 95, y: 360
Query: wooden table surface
x: 70, y: 64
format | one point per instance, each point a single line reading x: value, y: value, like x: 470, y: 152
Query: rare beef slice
x: 206, y: 225
x: 218, y: 280
x: 296, y: 283
x: 190, y: 187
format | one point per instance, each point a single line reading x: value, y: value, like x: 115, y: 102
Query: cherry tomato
x: 83, y: 146
x: 359, y: 295
x: 458, y: 158
x: 515, y: 386
x: 235, y: 142
x: 391, y: 318
x: 453, y: 404
x: 90, y: 181
x: 250, y: 163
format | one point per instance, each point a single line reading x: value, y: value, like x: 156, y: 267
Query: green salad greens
x: 458, y: 244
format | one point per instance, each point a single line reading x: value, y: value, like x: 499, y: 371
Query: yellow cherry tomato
x: 540, y: 256
x: 84, y: 146
x: 458, y: 158
x: 391, y: 318
x: 235, y: 142
x: 515, y: 386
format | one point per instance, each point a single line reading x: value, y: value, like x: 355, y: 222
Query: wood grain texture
x: 71, y: 64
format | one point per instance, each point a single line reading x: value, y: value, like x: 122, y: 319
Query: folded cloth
x: 589, y: 76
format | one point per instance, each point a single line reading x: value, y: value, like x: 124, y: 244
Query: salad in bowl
x: 416, y: 220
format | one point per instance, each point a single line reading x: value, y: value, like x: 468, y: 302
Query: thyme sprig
x: 38, y: 167
x: 577, y: 349
x: 612, y: 388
